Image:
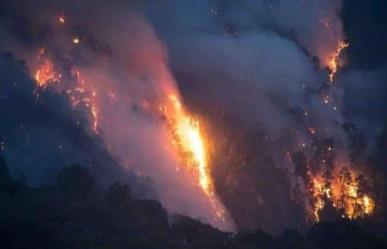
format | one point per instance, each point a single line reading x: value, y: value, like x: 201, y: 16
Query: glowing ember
x: 333, y: 60
x: 61, y: 19
x: 75, y: 40
x: 79, y: 92
x: 94, y: 113
x: 345, y: 192
x: 82, y: 94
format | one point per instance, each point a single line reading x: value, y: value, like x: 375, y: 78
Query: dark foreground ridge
x: 75, y: 213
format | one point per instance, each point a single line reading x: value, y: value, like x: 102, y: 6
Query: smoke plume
x: 262, y: 77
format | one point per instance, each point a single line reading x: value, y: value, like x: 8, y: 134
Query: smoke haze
x: 256, y: 73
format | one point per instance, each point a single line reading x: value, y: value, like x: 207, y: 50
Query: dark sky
x: 364, y: 24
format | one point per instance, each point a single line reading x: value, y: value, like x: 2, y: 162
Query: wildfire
x: 188, y: 137
x: 333, y: 60
x: 346, y: 193
x: 94, y: 113
x: 78, y: 92
x: 190, y: 143
x: 186, y: 131
x: 46, y: 73
x: 83, y: 94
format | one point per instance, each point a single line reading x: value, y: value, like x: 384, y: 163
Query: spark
x: 61, y: 19
x: 76, y: 40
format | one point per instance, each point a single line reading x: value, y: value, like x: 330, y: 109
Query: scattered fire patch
x: 347, y: 192
x: 46, y: 73
x: 79, y: 92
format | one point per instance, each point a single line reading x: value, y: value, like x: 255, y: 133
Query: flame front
x: 190, y: 143
x: 333, y: 60
x: 191, y: 140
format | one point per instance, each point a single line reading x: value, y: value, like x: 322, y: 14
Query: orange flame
x: 333, y: 60
x: 84, y: 94
x: 191, y: 140
x: 345, y: 194
x: 190, y: 143
x: 79, y: 93
x: 46, y: 73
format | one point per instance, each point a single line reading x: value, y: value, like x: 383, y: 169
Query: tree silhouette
x: 75, y: 182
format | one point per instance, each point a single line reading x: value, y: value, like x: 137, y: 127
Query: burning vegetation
x: 325, y: 185
x: 46, y: 73
x: 333, y: 60
x: 186, y: 132
x: 78, y: 91
x: 190, y: 143
x: 346, y: 191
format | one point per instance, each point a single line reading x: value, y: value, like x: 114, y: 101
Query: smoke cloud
x: 255, y: 72
x: 124, y: 64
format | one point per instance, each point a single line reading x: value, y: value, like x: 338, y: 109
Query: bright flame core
x: 191, y: 145
x: 333, y: 60
x: 191, y: 140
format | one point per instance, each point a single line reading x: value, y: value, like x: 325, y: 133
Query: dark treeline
x: 75, y: 213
